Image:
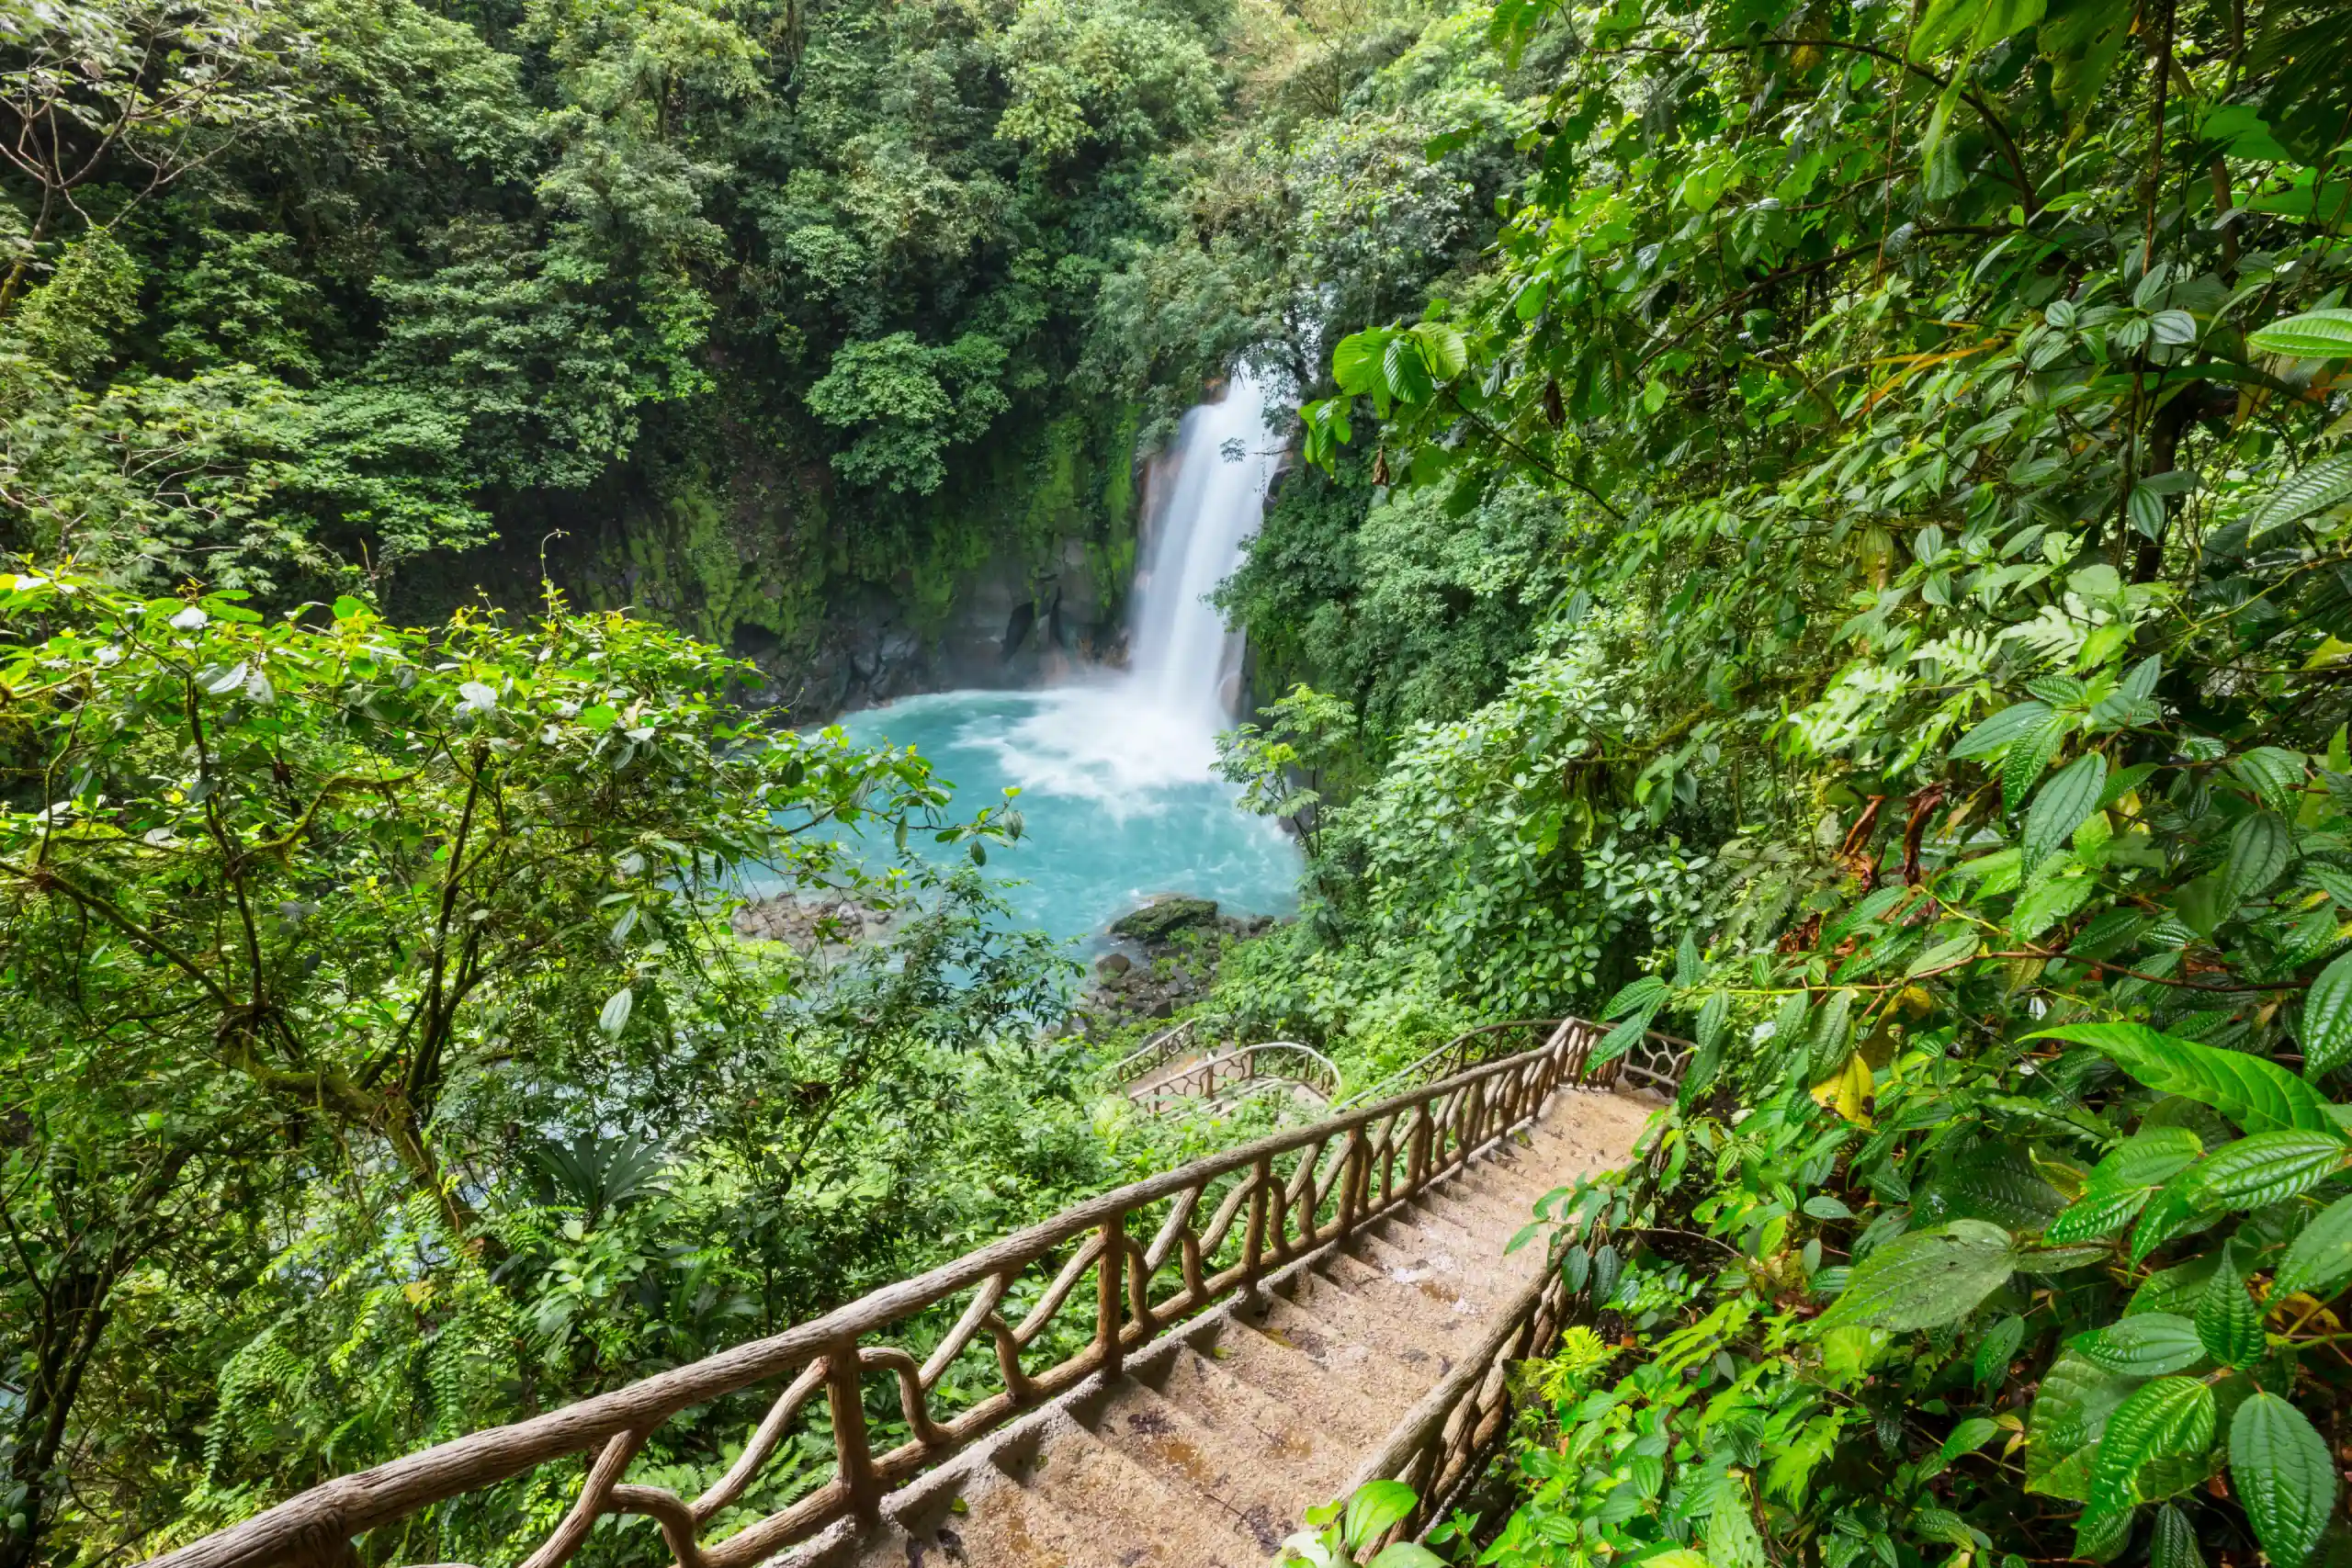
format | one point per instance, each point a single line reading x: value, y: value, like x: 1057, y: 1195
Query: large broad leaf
x: 1355, y: 362
x: 2059, y: 810
x: 2070, y: 1413
x: 2178, y: 1207
x: 2228, y: 1322
x: 2327, y: 1020
x: 2320, y: 1257
x: 2027, y: 757
x: 2097, y: 1214
x: 2173, y: 1544
x: 2170, y: 1415
x: 2317, y: 488
x: 2260, y: 848
x: 1996, y: 1182
x: 2269, y: 1167
x: 2150, y: 1156
x: 2144, y: 1347
x: 2259, y: 1096
x: 2283, y: 1477
x: 2001, y: 729
x: 1376, y: 1506
x: 2314, y: 335
x: 1925, y: 1279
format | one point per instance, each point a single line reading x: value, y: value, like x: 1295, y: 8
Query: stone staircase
x: 1267, y: 1326
x: 1207, y: 1448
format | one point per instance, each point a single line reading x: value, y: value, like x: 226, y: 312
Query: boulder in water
x: 1111, y: 966
x: 1165, y: 916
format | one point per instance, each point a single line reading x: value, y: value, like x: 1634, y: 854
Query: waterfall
x: 1184, y: 663
x: 1117, y: 770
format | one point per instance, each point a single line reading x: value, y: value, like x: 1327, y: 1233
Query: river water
x: 1116, y: 771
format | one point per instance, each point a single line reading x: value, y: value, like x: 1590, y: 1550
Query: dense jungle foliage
x: 1823, y: 527
x: 767, y: 310
x: 1878, y: 510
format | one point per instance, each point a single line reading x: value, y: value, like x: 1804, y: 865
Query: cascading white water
x: 1117, y: 771
x: 1184, y: 661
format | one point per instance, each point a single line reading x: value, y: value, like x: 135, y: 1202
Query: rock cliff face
x: 1006, y: 576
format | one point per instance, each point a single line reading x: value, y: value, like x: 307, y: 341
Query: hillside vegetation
x: 1857, y: 574
x: 1826, y: 528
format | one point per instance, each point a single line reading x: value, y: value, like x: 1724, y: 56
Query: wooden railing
x: 1276, y: 1061
x: 1467, y: 1049
x: 1160, y: 1251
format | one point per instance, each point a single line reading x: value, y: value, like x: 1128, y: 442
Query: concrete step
x: 997, y: 1522
x: 1147, y: 1523
x: 1285, y: 1375
x: 1426, y: 1341
x: 1210, y: 1451
x: 1231, y: 1470
x: 1292, y: 1439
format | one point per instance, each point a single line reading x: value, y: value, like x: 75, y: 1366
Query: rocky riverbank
x: 1167, y: 959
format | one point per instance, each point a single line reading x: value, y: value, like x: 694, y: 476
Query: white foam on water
x: 1117, y: 770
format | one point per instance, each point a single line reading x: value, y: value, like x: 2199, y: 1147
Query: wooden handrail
x: 1354, y: 1166
x: 1447, y: 1058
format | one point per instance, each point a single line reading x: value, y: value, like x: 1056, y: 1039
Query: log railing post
x: 1253, y: 1238
x: 1110, y: 1275
x: 853, y: 1451
x: 1352, y: 1175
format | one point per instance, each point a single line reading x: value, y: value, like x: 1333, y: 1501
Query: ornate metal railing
x: 1214, y: 1077
x: 1151, y: 1055
x: 1657, y: 1061
x: 1160, y: 1251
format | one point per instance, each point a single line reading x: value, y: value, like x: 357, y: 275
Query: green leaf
x: 1997, y: 19
x: 2179, y: 1206
x: 2318, y: 487
x: 2095, y: 1215
x: 2170, y: 1415
x: 2001, y: 729
x: 2314, y: 335
x: 1406, y: 1554
x: 2062, y: 806
x: 2326, y: 1033
x: 2173, y: 1544
x: 2260, y: 847
x: 2320, y: 1259
x: 1944, y: 954
x: 1648, y: 991
x: 1375, y: 1507
x: 2283, y: 1476
x: 1442, y: 349
x: 2148, y: 1156
x: 2143, y: 1346
x: 614, y: 1017
x: 1925, y: 1279
x: 2027, y: 757
x: 2102, y: 1532
x: 1355, y: 362
x: 1991, y: 1362
x: 2228, y: 1322
x: 2269, y: 1167
x: 2259, y: 1096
